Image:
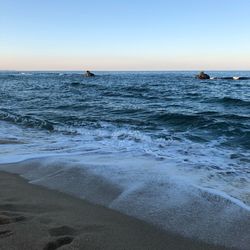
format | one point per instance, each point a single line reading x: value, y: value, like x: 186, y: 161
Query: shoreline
x: 172, y: 206
x: 34, y: 217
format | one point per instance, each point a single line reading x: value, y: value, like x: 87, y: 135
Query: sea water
x: 161, y: 146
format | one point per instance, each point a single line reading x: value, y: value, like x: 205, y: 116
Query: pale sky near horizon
x: 125, y: 35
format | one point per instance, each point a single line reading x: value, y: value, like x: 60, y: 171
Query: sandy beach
x: 33, y: 217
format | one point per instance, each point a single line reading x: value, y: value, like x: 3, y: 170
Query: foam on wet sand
x: 170, y: 204
x: 32, y: 217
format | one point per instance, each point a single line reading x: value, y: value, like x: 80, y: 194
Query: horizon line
x: 120, y: 70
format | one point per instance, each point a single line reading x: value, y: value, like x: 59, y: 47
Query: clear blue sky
x: 124, y: 35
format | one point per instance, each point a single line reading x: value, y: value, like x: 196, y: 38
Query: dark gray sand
x: 33, y: 218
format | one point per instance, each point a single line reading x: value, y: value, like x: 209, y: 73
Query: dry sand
x: 33, y: 217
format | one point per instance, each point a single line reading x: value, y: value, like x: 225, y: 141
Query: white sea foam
x: 202, y: 164
x: 139, y: 188
x: 236, y: 77
x: 190, y: 188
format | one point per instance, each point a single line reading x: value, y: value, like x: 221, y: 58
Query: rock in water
x: 203, y: 76
x: 89, y: 74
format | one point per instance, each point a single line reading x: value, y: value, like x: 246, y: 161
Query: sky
x: 124, y: 35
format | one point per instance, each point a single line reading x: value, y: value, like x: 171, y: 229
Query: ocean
x: 154, y: 145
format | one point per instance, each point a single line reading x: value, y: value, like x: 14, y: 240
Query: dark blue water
x: 147, y: 102
x: 165, y: 115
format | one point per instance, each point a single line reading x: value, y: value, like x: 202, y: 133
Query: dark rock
x: 89, y: 74
x: 203, y: 76
x: 227, y: 78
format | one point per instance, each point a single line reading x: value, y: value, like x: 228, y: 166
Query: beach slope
x: 33, y: 217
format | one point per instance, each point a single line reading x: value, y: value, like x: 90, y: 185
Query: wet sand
x: 33, y: 218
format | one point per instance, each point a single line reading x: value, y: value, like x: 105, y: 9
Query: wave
x: 10, y: 141
x: 233, y: 101
x: 153, y: 196
x: 26, y: 120
x: 201, y: 118
x: 235, y: 117
x: 181, y: 119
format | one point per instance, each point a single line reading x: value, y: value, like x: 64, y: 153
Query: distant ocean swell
x: 234, y: 101
x: 26, y: 121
